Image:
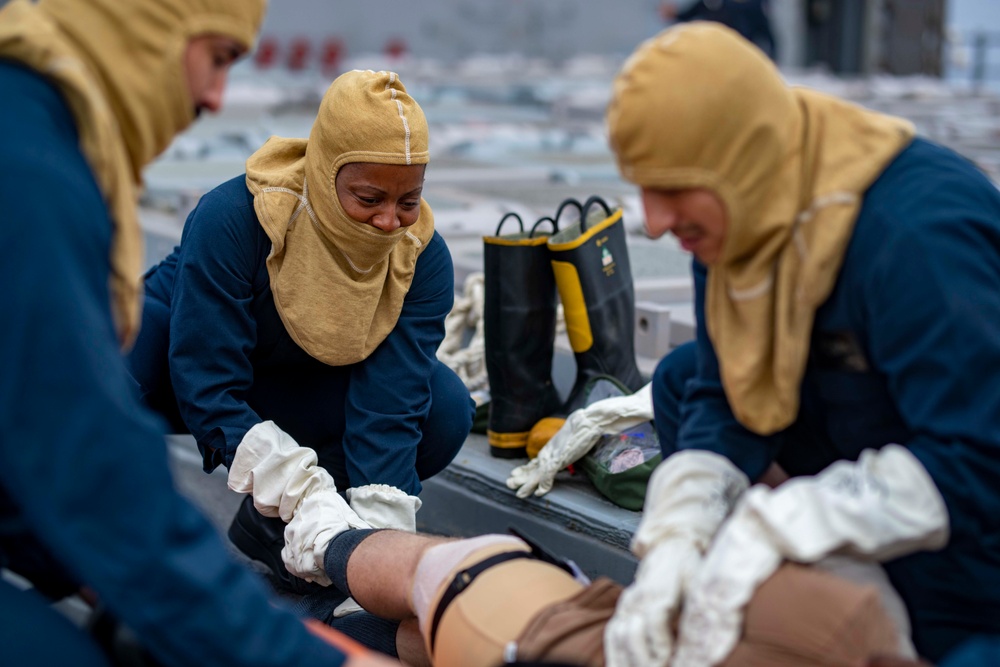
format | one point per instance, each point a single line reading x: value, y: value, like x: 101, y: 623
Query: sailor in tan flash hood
x: 92, y: 91
x: 120, y: 66
x: 326, y: 256
x: 845, y: 293
x: 326, y: 288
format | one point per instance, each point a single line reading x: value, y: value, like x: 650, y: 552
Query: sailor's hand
x: 321, y: 516
x: 741, y: 559
x: 641, y: 630
x: 882, y: 506
x: 688, y: 497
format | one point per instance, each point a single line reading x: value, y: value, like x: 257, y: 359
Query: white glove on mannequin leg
x: 285, y: 481
x: 384, y: 506
x: 688, y: 497
x: 577, y: 436
x: 883, y: 506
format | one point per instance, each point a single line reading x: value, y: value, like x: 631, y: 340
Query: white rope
x: 468, y: 362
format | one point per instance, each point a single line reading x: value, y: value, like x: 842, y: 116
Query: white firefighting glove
x: 688, y: 497
x: 883, y: 506
x: 285, y: 481
x: 380, y: 506
x: 577, y: 436
x: 384, y: 506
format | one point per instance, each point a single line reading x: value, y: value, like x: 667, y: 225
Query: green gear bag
x: 619, y: 465
x: 626, y: 488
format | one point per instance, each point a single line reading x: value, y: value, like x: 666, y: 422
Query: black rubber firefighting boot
x: 519, y: 319
x: 591, y: 266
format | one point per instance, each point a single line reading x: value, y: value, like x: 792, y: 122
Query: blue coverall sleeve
x: 934, y: 311
x: 706, y: 420
x: 977, y: 652
x: 212, y: 329
x: 82, y: 460
x: 390, y: 392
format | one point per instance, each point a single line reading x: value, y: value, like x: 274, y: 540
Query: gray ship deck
x: 470, y: 498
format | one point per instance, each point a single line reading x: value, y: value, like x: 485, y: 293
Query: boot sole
x: 508, y: 452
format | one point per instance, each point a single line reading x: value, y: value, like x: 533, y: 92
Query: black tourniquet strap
x: 543, y: 554
x: 466, y: 577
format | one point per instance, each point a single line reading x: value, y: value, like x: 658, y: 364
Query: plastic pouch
x: 619, y: 465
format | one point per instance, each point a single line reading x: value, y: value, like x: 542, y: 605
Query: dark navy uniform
x: 905, y: 350
x: 86, y: 497
x: 214, y: 353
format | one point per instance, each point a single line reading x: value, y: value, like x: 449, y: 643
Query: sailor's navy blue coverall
x: 213, y: 356
x: 905, y: 350
x: 86, y: 497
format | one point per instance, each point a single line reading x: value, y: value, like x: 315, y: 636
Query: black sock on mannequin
x: 339, y: 551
